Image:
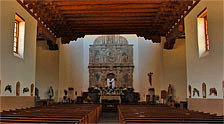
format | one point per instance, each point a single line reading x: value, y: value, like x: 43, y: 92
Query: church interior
x: 111, y: 61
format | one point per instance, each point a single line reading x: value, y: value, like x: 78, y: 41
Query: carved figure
x: 18, y: 88
x: 124, y: 57
x: 170, y: 93
x: 25, y: 90
x: 111, y: 81
x: 189, y: 90
x: 195, y: 91
x: 150, y: 78
x: 8, y: 88
x: 50, y: 92
x: 31, y: 89
x: 213, y: 91
x: 204, y: 90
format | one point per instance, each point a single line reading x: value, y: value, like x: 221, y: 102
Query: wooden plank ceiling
x: 71, y: 19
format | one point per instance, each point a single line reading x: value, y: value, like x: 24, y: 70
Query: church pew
x: 55, y: 114
x: 147, y: 114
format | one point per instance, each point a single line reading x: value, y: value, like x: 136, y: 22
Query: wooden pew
x: 162, y: 114
x: 61, y: 113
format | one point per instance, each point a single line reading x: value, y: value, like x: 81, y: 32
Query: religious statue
x: 37, y: 92
x: 18, y: 88
x: 150, y: 78
x: 170, y: 93
x: 26, y: 89
x: 111, y: 83
x: 65, y: 97
x: 50, y: 92
x: 204, y: 90
x: 213, y: 91
x: 9, y: 88
x: 189, y: 90
x: 195, y: 90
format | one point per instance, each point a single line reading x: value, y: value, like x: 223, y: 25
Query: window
x: 203, y: 38
x: 19, y: 31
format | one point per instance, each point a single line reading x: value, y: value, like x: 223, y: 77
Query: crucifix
x: 150, y: 78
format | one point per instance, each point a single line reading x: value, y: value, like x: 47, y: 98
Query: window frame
x: 16, y: 30
x: 203, y: 14
x: 19, y: 23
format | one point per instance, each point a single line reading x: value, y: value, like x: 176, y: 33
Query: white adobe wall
x: 71, y: 67
x: 174, y: 69
x: 149, y: 60
x: 13, y: 68
x: 208, y: 69
x: 47, y: 69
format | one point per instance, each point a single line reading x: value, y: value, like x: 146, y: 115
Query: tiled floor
x: 108, y: 118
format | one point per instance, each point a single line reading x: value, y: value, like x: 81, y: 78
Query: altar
x: 110, y: 97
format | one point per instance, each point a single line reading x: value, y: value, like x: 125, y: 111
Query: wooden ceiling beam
x: 108, y: 7
x: 110, y: 11
x: 105, y: 2
x: 47, y: 33
x: 111, y: 19
x: 113, y: 22
x: 110, y: 14
x: 177, y: 28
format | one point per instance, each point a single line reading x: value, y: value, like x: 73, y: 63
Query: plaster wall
x: 209, y: 68
x: 47, y: 69
x: 174, y: 69
x: 149, y: 60
x: 13, y: 68
x: 71, y: 67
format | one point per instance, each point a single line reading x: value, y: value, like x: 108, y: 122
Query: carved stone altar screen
x: 111, y: 54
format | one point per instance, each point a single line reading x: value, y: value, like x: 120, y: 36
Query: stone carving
x: 8, y: 88
x: 196, y: 91
x: 204, y: 90
x: 111, y: 54
x: 213, y: 91
x: 18, y: 88
x: 26, y: 89
x: 31, y: 89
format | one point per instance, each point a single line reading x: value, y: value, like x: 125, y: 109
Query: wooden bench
x: 163, y: 114
x: 61, y: 113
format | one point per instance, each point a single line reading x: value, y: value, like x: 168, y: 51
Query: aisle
x: 108, y: 117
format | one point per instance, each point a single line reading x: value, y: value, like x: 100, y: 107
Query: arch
x: 111, y: 75
x: 110, y: 40
x: 31, y: 89
x: 18, y: 88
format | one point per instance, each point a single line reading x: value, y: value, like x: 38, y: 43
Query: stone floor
x: 108, y: 118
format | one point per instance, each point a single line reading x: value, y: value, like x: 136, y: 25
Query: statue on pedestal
x: 50, y: 92
x: 170, y: 93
